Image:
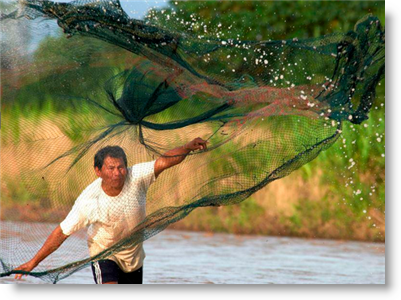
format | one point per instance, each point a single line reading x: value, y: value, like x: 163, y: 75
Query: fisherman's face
x: 113, y: 172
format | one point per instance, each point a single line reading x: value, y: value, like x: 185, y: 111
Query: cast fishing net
x: 265, y: 107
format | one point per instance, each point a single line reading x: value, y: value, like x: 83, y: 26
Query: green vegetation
x: 350, y: 174
x: 353, y: 178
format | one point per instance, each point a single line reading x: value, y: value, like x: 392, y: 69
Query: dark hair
x: 112, y: 151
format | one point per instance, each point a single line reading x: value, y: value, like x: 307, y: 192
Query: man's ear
x: 97, y: 171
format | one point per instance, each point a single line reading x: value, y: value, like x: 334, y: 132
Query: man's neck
x: 110, y: 191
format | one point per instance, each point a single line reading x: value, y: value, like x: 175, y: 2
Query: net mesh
x: 265, y: 107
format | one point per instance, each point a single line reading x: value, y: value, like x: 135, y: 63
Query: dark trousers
x: 108, y: 271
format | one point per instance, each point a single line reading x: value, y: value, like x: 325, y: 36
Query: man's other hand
x: 28, y: 267
x: 196, y: 144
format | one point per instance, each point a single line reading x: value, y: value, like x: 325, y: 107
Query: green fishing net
x: 265, y: 107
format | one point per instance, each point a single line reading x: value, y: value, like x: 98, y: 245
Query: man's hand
x: 28, y: 267
x: 196, y: 144
x: 177, y: 155
x: 55, y: 239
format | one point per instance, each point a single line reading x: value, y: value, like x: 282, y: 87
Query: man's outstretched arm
x: 177, y: 155
x: 55, y: 239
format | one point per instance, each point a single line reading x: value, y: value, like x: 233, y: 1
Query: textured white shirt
x: 112, y: 218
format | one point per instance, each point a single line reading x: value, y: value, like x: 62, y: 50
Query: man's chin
x: 118, y: 186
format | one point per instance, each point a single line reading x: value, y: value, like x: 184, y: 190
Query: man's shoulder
x: 142, y: 166
x: 142, y: 169
x: 91, y: 191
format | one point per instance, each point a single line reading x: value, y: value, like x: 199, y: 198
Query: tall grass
x: 350, y: 176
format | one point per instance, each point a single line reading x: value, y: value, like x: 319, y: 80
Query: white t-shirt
x: 112, y: 218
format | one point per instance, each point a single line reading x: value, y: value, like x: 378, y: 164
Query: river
x: 183, y: 257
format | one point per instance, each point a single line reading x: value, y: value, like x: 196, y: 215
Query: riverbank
x: 275, y: 211
x: 247, y: 218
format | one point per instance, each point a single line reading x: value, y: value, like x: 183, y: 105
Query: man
x: 111, y: 206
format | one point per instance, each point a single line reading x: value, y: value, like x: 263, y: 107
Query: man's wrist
x: 185, y: 147
x: 33, y: 263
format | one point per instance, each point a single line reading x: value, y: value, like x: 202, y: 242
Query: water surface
x: 181, y: 257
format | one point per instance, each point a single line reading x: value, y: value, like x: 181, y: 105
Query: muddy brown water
x: 183, y: 257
